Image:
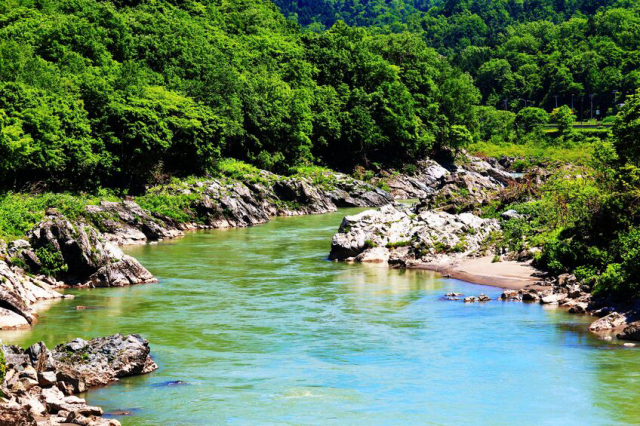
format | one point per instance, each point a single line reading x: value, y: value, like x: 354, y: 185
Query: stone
x: 511, y: 295
x: 14, y: 415
x: 629, y: 345
x: 609, y: 322
x: 631, y: 331
x: 454, y: 295
x: 424, y: 236
x: 374, y: 255
x: 91, y: 261
x: 39, y: 383
x: 511, y: 214
x: 578, y: 308
x: 47, y: 378
x: 483, y: 298
x: 10, y: 320
x: 553, y: 299
x: 76, y: 345
x: 470, y: 299
x: 530, y: 295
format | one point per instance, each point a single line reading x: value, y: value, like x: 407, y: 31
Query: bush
x: 239, y: 170
x: 51, y: 261
x: 176, y: 206
x: 3, y: 367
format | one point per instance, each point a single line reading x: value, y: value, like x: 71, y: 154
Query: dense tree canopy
x: 540, y: 51
x: 114, y: 93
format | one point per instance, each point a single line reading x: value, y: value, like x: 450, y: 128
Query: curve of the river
x: 264, y: 330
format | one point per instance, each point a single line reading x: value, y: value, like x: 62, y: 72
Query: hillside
x: 517, y: 51
x: 120, y: 94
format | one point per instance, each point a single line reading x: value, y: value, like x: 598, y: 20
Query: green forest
x: 123, y: 94
x: 118, y: 94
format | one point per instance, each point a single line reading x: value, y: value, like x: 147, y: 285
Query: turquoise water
x: 264, y: 330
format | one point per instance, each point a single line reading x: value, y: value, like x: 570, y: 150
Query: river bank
x: 511, y: 275
x: 39, y: 385
x: 294, y: 332
x: 77, y: 243
x: 464, y: 227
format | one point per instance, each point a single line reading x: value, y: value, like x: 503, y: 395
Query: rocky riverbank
x: 443, y: 232
x: 439, y: 230
x: 83, y: 250
x: 39, y: 384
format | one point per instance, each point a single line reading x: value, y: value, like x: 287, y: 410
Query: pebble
x: 629, y: 345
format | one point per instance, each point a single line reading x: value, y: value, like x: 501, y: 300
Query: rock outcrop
x: 19, y: 294
x: 226, y: 203
x: 85, y: 257
x: 39, y: 383
x: 409, y: 237
x: 126, y: 223
x: 450, y: 186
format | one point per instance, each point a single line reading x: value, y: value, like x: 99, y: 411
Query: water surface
x: 264, y: 330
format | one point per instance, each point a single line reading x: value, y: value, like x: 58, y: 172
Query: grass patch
x: 176, y: 206
x: 20, y: 212
x: 398, y: 244
x: 577, y: 155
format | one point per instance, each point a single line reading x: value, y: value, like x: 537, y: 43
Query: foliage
x: 3, y: 367
x: 94, y: 94
x: 627, y: 131
x: 51, y: 261
x: 538, y: 52
x: 530, y: 119
x: 20, y: 212
x: 564, y: 118
x: 534, y: 152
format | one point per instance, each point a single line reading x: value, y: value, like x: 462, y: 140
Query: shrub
x: 398, y: 244
x: 176, y: 206
x: 3, y: 366
x: 51, y: 261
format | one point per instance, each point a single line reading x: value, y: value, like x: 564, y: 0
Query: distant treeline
x: 522, y: 51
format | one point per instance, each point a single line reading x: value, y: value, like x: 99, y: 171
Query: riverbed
x: 262, y: 329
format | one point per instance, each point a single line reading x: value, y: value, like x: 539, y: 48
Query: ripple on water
x: 265, y: 331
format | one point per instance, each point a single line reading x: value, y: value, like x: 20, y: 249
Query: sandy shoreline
x: 507, y: 274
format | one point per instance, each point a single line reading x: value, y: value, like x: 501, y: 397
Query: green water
x: 265, y: 331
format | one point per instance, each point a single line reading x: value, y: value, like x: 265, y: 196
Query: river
x: 264, y: 330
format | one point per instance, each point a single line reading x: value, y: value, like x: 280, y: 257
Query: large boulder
x: 609, y: 322
x: 418, y: 184
x: 39, y: 382
x: 84, y: 364
x: 19, y: 292
x: 631, y: 332
x: 89, y: 259
x: 408, y: 235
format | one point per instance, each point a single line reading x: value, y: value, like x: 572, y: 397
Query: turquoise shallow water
x: 265, y: 330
